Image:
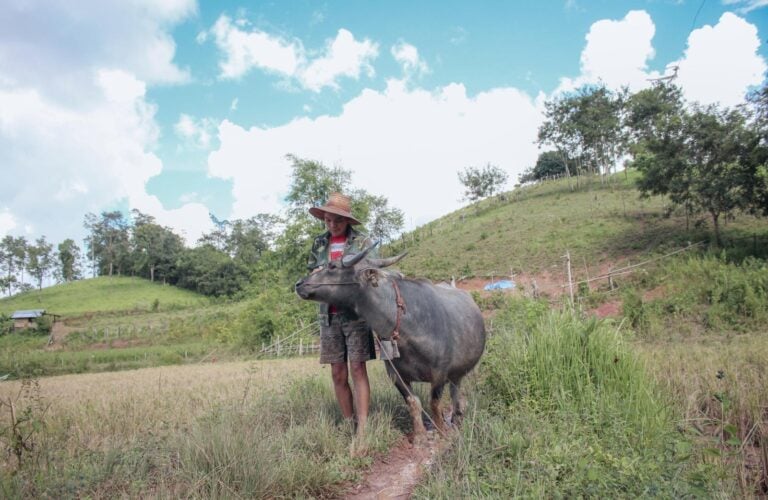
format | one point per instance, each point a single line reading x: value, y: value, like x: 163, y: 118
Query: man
x: 344, y: 338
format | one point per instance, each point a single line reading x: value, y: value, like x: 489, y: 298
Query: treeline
x: 707, y: 159
x: 264, y: 249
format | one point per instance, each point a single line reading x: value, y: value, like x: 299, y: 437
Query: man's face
x: 336, y: 224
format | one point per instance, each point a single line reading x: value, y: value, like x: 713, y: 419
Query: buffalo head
x: 341, y: 282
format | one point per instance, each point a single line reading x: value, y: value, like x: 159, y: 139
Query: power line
x: 693, y: 24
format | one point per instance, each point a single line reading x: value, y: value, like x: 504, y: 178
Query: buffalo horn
x: 351, y: 260
x: 388, y: 261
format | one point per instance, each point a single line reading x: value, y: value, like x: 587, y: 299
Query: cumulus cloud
x: 244, y: 50
x: 76, y: 130
x: 617, y: 53
x: 55, y: 46
x: 91, y: 160
x: 407, y: 144
x: 721, y: 62
x: 408, y: 57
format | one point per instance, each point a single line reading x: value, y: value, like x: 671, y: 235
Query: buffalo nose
x: 298, y: 284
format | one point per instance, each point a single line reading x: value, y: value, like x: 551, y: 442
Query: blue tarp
x: 500, y: 285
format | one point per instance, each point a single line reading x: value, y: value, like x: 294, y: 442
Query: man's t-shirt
x: 335, y: 252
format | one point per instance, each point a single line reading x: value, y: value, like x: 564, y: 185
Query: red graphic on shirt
x: 335, y: 252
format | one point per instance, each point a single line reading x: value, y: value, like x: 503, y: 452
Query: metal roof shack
x: 26, y: 319
x: 30, y: 314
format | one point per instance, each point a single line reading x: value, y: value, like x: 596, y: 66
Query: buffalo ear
x: 371, y: 276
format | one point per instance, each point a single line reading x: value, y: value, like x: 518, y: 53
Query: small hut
x: 27, y: 319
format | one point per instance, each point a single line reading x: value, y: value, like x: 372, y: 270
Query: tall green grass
x: 700, y: 295
x: 563, y: 409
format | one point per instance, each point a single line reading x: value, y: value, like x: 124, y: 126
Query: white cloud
x: 746, y: 6
x: 7, y: 221
x: 55, y: 46
x: 244, y: 50
x: 408, y: 57
x: 82, y: 161
x: 344, y: 56
x: 195, y: 132
x: 617, y: 53
x: 721, y: 62
x: 405, y: 144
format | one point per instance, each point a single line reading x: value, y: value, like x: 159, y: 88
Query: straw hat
x: 337, y: 204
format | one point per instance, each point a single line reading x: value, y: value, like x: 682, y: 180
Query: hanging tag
x: 389, y: 350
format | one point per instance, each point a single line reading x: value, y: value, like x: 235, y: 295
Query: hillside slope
x: 529, y: 230
x: 102, y: 294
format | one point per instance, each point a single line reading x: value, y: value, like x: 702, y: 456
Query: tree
x: 312, y: 184
x: 248, y: 239
x: 210, y: 271
x: 757, y: 188
x: 699, y: 158
x: 549, y: 164
x: 155, y: 248
x: 13, y: 252
x: 109, y: 242
x: 480, y: 183
x: 40, y: 260
x: 585, y: 126
x: 69, y: 258
x: 380, y: 221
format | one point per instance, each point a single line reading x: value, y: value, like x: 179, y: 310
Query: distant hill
x: 530, y: 229
x: 102, y: 294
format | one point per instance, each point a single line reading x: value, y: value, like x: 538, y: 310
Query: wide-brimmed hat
x: 337, y: 204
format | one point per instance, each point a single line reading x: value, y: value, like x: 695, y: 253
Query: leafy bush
x: 6, y: 324
x: 276, y: 311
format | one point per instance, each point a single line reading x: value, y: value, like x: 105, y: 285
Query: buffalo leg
x: 414, y: 405
x: 458, y: 402
x: 437, y: 414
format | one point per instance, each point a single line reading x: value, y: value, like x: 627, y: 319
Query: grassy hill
x: 529, y: 230
x: 103, y: 294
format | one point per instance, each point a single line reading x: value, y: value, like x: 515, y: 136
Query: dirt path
x: 397, y: 474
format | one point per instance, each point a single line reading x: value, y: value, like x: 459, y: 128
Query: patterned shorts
x: 346, y: 340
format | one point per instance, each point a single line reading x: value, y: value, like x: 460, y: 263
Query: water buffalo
x: 440, y: 331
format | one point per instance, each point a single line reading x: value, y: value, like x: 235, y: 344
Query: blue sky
x: 183, y: 107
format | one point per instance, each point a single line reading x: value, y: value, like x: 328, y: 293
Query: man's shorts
x: 346, y: 340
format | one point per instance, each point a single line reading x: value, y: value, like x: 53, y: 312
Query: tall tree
x: 154, y: 248
x: 109, y: 240
x: 69, y: 258
x: 482, y: 182
x: 312, y: 183
x: 40, y: 260
x: 13, y: 252
x: 585, y: 126
x: 699, y: 158
x: 381, y: 222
